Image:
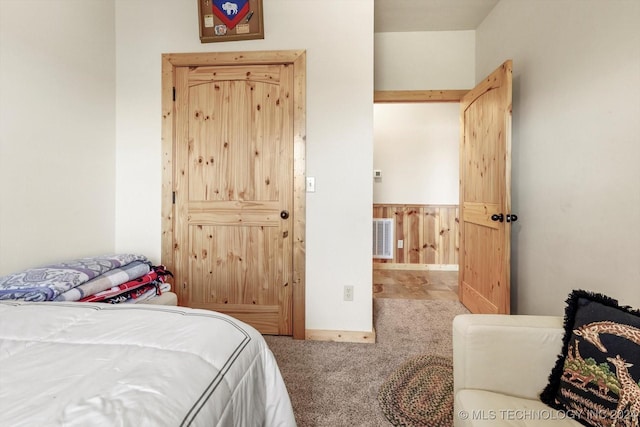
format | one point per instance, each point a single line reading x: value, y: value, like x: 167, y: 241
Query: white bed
x: 83, y: 364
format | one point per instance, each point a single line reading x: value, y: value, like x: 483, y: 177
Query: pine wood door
x: 234, y: 191
x: 485, y: 194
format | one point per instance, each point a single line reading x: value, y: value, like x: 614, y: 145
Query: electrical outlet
x: 348, y: 293
x: 400, y: 244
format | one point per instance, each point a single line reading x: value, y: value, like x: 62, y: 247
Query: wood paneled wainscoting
x: 429, y: 234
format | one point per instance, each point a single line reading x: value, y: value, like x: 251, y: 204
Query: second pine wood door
x: 485, y: 192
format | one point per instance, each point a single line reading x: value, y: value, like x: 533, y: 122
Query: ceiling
x: 430, y: 15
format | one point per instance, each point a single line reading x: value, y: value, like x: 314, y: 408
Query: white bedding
x: 80, y: 364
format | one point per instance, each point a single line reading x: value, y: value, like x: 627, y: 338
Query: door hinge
x: 174, y: 198
x: 174, y: 94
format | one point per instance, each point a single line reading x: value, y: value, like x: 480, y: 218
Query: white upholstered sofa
x: 500, y: 365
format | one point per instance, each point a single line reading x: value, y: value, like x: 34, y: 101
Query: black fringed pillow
x: 596, y: 378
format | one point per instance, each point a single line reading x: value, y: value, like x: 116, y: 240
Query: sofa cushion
x: 596, y: 376
x: 490, y: 409
x: 510, y: 354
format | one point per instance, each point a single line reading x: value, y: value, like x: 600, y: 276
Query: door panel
x: 234, y: 159
x: 239, y: 283
x: 485, y: 188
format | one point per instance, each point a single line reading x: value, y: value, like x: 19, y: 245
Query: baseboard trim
x: 341, y: 336
x: 419, y: 267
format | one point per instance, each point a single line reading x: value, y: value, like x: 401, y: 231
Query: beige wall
x: 415, y: 145
x: 339, y: 135
x: 576, y: 145
x: 57, y: 130
x: 425, y: 60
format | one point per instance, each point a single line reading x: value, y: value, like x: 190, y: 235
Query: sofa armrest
x: 512, y: 355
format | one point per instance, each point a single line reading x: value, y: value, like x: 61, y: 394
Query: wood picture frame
x: 230, y: 20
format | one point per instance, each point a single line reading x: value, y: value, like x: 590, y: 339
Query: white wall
x: 339, y: 135
x: 416, y: 147
x: 576, y: 145
x: 57, y: 131
x: 427, y: 60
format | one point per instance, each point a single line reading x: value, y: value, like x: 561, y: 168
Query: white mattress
x: 80, y: 364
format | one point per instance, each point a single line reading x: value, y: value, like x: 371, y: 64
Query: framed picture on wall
x: 229, y: 20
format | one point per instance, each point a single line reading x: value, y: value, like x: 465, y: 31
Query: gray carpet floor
x: 336, y: 384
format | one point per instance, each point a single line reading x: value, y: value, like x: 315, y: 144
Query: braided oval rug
x: 419, y: 393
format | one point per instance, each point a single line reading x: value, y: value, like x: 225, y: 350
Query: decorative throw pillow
x: 596, y: 378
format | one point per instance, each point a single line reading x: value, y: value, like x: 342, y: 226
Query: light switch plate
x: 311, y: 184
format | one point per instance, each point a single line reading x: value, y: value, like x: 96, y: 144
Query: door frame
x: 293, y: 58
x: 419, y: 96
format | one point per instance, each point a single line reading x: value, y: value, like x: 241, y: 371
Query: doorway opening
x: 416, y: 184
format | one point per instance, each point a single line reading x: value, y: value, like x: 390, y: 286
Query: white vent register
x: 383, y: 238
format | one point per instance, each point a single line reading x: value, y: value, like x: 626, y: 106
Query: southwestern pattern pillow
x: 596, y: 378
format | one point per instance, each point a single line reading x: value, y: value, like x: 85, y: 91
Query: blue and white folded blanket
x: 49, y: 282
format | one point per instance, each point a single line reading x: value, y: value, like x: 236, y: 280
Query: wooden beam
x: 388, y: 96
